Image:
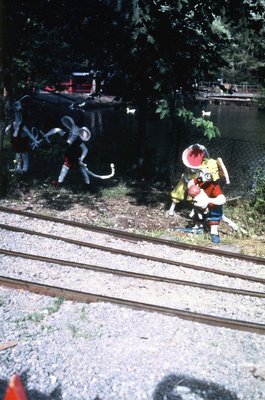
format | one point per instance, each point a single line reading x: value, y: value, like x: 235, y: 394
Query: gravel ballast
x: 102, y: 351
x: 72, y: 351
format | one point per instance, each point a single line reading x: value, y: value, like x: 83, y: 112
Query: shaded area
x: 33, y: 394
x: 135, y: 192
x: 115, y: 138
x: 180, y: 387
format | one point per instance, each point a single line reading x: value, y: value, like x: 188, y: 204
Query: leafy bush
x: 259, y: 100
x: 259, y: 200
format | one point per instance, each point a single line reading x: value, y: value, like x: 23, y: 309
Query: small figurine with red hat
x: 195, y: 154
x: 204, y: 190
x: 210, y: 197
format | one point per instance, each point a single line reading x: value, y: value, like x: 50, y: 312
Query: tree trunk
x: 142, y: 161
x: 3, y: 174
x: 174, y: 135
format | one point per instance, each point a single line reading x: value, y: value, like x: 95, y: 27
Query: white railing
x: 239, y: 88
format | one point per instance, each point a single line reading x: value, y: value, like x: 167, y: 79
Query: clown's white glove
x: 201, y: 200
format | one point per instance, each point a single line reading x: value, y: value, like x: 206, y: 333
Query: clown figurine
x: 197, y: 152
x: 208, y: 199
x: 204, y: 190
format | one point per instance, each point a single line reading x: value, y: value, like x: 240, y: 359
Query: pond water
x: 238, y: 121
x: 114, y: 140
x: 241, y: 145
x: 234, y: 121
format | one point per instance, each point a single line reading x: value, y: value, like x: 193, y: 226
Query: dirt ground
x: 138, y: 208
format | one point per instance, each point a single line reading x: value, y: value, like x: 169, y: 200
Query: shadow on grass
x: 45, y: 166
x: 73, y: 191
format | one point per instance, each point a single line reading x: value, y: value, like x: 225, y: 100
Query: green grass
x: 153, y: 233
x: 39, y: 316
x: 82, y: 314
x: 78, y: 334
x: 120, y: 190
x: 58, y: 301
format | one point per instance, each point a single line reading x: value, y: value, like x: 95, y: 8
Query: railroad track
x: 251, y: 281
x: 134, y: 237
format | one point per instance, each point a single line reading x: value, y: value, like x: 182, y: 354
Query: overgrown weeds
x: 39, y: 316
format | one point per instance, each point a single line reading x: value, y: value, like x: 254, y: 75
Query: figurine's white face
x: 205, y: 176
x: 71, y: 139
x: 73, y: 134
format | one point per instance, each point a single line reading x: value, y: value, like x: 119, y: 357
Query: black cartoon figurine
x: 22, y: 138
x: 76, y: 151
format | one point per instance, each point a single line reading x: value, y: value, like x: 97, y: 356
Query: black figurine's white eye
x: 208, y: 176
x: 205, y: 176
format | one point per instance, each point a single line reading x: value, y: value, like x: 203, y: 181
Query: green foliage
x: 175, y: 43
x: 39, y: 316
x: 33, y: 317
x: 259, y: 101
x: 88, y: 335
x: 46, y: 41
x: 249, y: 219
x: 156, y: 48
x: 259, y: 201
x: 170, y: 41
x: 162, y: 108
x: 82, y: 312
x: 244, y: 57
x: 120, y: 190
x: 58, y: 301
x: 220, y: 28
x: 207, y: 127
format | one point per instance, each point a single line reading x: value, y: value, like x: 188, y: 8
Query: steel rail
x: 137, y: 237
x: 130, y: 274
x: 136, y: 255
x: 84, y: 297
